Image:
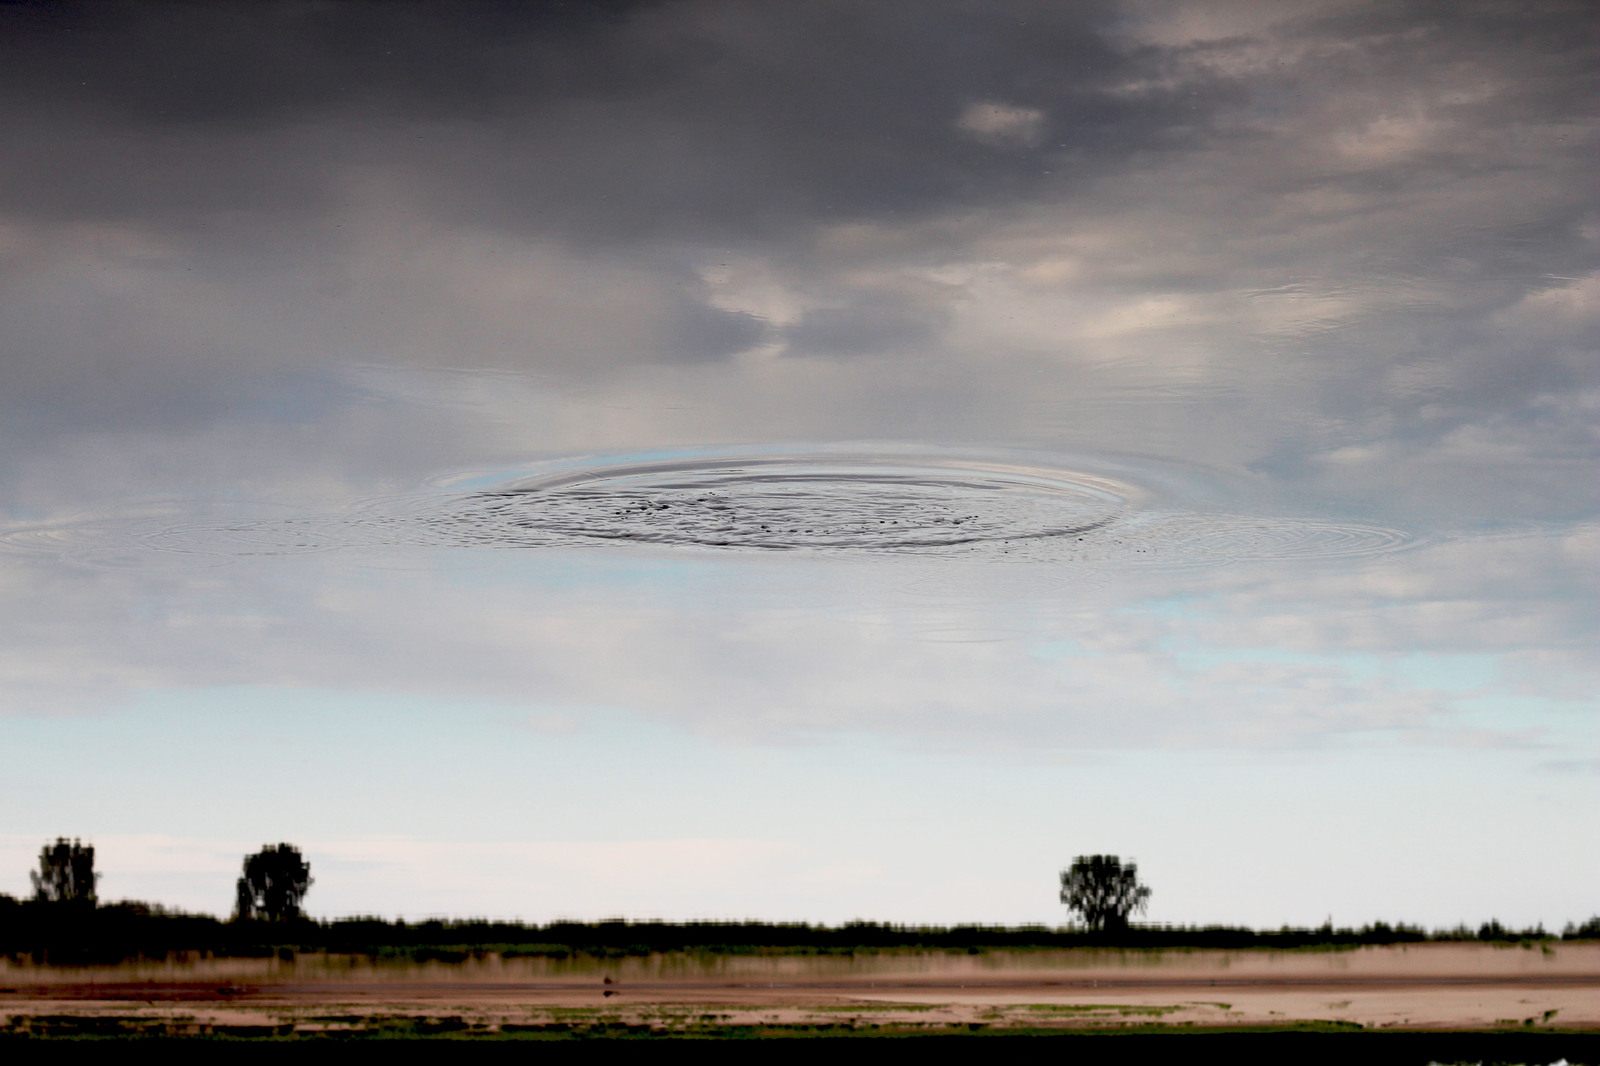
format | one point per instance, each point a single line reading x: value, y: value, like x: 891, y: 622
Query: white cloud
x: 1002, y: 124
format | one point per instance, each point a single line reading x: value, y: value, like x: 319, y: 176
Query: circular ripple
x: 789, y: 505
x: 800, y: 502
x: 1234, y: 537
x: 112, y: 544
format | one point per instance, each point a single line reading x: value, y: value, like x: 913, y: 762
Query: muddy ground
x: 1426, y: 987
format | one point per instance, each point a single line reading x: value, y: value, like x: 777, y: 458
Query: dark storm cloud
x: 166, y: 63
x: 698, y: 121
x: 624, y: 120
x: 242, y: 139
x: 1368, y: 224
x: 696, y: 332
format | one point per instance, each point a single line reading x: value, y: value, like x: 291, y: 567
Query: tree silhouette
x: 274, y: 882
x: 66, y: 873
x: 1103, y: 891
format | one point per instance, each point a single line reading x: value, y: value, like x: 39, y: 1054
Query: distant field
x: 1551, y: 988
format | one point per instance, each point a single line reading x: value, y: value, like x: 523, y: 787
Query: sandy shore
x: 1428, y: 986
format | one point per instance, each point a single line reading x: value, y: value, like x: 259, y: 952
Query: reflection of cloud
x: 554, y: 725
x: 863, y: 328
x: 1315, y: 250
x: 1389, y: 139
x: 1568, y: 304
x: 999, y: 124
x: 1329, y: 231
x: 1571, y: 766
x: 737, y: 648
x: 1349, y: 253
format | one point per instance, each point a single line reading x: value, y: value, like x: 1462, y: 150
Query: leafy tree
x: 274, y: 882
x: 1103, y: 891
x: 66, y: 873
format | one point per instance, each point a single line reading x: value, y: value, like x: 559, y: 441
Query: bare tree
x: 1103, y: 891
x: 66, y: 873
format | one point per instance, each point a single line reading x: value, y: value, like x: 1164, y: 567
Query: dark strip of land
x: 87, y: 934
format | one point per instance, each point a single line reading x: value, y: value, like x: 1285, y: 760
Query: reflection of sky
x: 1310, y: 261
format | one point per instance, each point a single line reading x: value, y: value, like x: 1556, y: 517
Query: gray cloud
x: 263, y: 264
x: 865, y: 327
x: 611, y: 119
x: 716, y: 121
x: 1348, y: 247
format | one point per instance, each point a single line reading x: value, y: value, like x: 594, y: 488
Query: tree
x: 274, y: 882
x: 66, y: 873
x: 1103, y: 891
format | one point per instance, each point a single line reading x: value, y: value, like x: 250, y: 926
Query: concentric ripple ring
x: 793, y: 503
x: 1095, y: 514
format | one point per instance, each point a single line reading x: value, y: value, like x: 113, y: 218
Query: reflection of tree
x: 274, y: 882
x: 66, y: 873
x: 1103, y: 891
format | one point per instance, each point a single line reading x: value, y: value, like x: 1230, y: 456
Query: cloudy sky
x: 1328, y: 263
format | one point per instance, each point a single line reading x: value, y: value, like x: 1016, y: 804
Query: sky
x: 1311, y: 286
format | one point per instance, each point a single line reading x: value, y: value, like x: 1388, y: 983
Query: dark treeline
x: 53, y: 932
